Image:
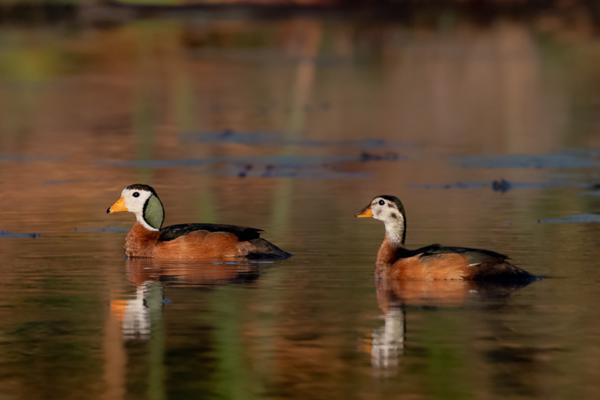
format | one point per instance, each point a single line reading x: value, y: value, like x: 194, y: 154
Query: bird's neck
x: 389, y: 252
x: 395, y: 231
x: 140, y: 241
x: 143, y: 223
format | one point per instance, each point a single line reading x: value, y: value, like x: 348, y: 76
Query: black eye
x: 381, y: 202
x: 136, y: 194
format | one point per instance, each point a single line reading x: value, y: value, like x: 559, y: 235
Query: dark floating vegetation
x: 501, y: 185
x: 387, y: 156
x: 19, y: 235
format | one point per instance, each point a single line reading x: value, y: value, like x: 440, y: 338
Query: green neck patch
x: 154, y: 213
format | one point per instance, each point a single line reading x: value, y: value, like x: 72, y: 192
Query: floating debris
x: 245, y: 170
x: 389, y: 156
x: 501, y: 186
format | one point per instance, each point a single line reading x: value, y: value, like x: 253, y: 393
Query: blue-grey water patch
x: 572, y: 219
x: 19, y: 235
x: 503, y: 185
x: 27, y: 158
x: 292, y: 171
x: 102, y: 229
x: 562, y: 160
x: 159, y: 164
x: 452, y: 185
x: 278, y: 139
x: 57, y: 182
x: 278, y: 165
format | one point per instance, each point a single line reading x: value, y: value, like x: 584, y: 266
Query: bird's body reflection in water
x: 138, y: 314
x: 395, y: 298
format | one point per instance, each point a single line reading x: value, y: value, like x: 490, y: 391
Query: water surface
x: 292, y: 125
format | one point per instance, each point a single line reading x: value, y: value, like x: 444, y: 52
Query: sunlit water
x: 488, y: 134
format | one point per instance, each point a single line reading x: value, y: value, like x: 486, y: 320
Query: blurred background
x: 482, y: 116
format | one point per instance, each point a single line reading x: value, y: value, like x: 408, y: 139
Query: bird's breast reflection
x: 139, y: 311
x: 135, y: 313
x: 387, y: 341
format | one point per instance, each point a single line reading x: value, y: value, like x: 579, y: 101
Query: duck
x: 433, y: 262
x: 147, y: 238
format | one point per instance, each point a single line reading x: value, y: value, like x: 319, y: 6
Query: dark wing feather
x: 174, y: 231
x: 475, y: 256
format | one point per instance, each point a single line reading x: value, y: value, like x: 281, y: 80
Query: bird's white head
x: 144, y: 203
x: 390, y: 210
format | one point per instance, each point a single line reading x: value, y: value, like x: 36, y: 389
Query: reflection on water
x: 394, y: 298
x: 388, y: 340
x: 142, y: 270
x: 139, y: 311
x: 135, y: 313
x: 288, y: 125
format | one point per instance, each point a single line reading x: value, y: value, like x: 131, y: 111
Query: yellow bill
x: 366, y: 213
x: 118, y: 206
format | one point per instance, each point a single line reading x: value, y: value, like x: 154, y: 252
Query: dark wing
x: 174, y: 231
x: 474, y: 256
